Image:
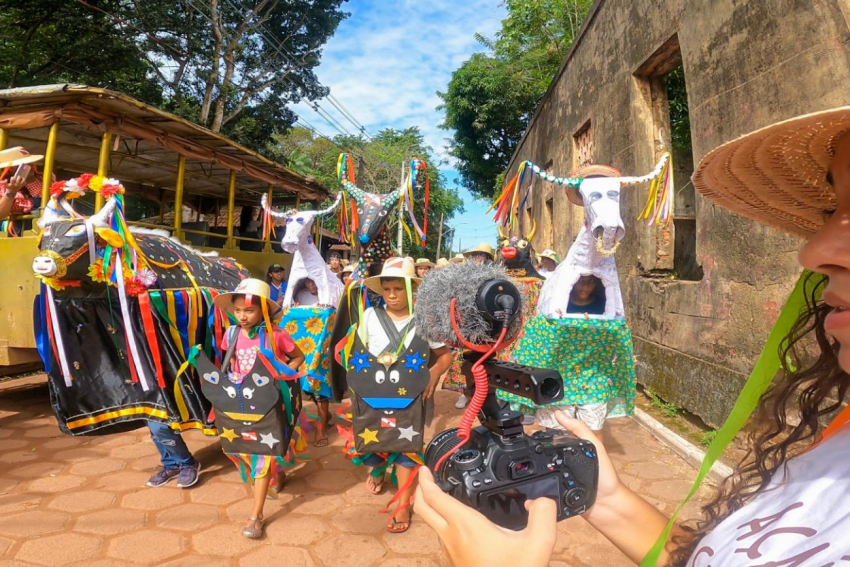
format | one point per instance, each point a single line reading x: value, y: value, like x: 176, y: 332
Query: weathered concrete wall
x: 747, y: 64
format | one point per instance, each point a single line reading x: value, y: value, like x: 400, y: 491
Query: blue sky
x: 385, y: 65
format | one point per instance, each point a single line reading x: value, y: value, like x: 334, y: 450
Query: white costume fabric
x: 590, y: 254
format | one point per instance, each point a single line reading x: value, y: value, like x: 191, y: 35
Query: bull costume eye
x: 299, y: 220
x: 231, y: 391
x: 614, y: 195
x: 76, y: 230
x: 380, y: 377
x: 247, y: 393
x: 394, y: 377
x: 593, y: 197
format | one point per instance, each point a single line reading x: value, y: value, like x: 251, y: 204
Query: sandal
x: 398, y: 527
x: 374, y: 484
x: 321, y: 442
x: 255, y: 530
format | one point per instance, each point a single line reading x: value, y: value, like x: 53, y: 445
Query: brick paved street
x: 83, y: 500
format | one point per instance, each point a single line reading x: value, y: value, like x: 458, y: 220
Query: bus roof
x: 146, y: 142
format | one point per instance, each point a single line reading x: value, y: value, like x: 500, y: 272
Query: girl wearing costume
x: 255, y: 393
x: 392, y: 375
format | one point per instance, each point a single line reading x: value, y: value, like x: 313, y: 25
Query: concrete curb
x: 681, y: 446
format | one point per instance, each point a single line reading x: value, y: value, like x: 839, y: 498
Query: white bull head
x: 299, y: 225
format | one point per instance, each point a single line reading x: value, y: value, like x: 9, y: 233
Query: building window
x: 664, y: 77
x: 583, y: 140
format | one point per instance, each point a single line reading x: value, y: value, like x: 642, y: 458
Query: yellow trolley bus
x: 202, y: 187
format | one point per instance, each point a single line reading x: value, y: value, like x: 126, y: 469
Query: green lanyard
x: 766, y: 367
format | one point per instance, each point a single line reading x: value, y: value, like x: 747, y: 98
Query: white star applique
x: 268, y: 439
x: 407, y: 433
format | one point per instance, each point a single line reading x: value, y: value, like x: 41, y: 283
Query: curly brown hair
x: 812, y: 387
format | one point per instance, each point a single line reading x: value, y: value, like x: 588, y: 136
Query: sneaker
x: 162, y: 477
x: 461, y: 401
x: 188, y: 475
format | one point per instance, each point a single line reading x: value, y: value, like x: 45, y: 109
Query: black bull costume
x: 112, y: 352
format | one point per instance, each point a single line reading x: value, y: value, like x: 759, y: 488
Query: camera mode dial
x: 468, y: 460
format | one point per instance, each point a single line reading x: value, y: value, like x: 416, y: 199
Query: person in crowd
x: 587, y: 296
x: 306, y: 294
x: 774, y: 509
x: 251, y: 339
x: 423, y: 266
x: 20, y: 182
x: 345, y: 274
x: 442, y: 263
x: 176, y: 459
x: 483, y: 253
x: 385, y: 341
x: 548, y: 262
x: 458, y: 259
x: 335, y: 262
x: 275, y: 277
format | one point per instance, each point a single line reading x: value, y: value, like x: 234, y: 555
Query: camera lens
x: 439, y: 446
x: 550, y: 389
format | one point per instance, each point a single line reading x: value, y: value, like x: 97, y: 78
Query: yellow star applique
x: 402, y: 391
x: 369, y: 436
x: 228, y: 434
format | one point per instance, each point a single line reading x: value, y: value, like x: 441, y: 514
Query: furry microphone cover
x: 433, y: 304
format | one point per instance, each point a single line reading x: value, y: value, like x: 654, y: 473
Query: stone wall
x: 747, y: 64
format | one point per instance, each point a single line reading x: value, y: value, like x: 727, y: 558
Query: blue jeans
x: 173, y: 451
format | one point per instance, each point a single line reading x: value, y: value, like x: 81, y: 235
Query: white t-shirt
x: 377, y: 339
x: 304, y: 297
x: 803, y: 522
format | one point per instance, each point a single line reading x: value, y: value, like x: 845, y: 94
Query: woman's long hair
x: 812, y: 387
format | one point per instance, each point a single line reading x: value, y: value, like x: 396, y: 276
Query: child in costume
x: 392, y: 375
x: 256, y: 394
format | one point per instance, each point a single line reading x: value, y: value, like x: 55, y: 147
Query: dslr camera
x: 501, y: 467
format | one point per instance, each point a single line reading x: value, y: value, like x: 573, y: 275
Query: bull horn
x: 659, y: 167
x: 531, y: 234
x: 101, y: 218
x: 332, y: 207
x: 502, y: 234
x: 51, y: 213
x: 265, y: 202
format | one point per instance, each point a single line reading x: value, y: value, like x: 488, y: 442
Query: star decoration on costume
x: 268, y: 439
x: 369, y: 436
x: 407, y: 433
x: 414, y: 362
x: 228, y: 434
x: 361, y: 361
x: 402, y: 391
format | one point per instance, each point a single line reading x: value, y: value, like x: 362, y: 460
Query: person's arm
x: 7, y: 200
x: 443, y: 361
x: 287, y: 345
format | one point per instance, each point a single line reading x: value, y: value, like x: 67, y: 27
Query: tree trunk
x: 212, y: 77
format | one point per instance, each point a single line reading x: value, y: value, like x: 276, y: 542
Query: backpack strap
x: 232, y: 337
x: 394, y: 334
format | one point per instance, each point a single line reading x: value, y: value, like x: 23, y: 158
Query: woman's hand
x: 471, y: 539
x: 16, y: 184
x: 609, y: 483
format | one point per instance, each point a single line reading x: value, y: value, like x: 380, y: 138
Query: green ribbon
x: 159, y: 305
x: 766, y: 367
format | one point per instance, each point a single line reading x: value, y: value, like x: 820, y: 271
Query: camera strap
x: 760, y: 378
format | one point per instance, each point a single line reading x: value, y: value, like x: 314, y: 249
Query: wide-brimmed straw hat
x: 254, y: 288
x: 458, y: 259
x: 17, y: 156
x: 551, y: 254
x: 393, y: 268
x: 482, y: 248
x: 424, y: 262
x: 442, y: 262
x: 348, y: 269
x: 777, y: 175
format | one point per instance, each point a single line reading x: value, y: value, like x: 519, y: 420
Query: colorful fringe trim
x: 252, y: 467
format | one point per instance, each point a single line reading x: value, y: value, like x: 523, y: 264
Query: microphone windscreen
x: 461, y: 281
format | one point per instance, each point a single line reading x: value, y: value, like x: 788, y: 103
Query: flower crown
x: 79, y: 186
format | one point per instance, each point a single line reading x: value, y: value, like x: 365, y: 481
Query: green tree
x: 491, y: 97
x: 382, y: 158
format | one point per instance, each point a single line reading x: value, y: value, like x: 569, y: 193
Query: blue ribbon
x: 42, y: 337
x: 182, y: 321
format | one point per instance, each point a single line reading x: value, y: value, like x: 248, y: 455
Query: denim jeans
x: 172, y: 449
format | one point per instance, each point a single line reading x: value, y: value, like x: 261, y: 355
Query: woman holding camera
x: 782, y: 506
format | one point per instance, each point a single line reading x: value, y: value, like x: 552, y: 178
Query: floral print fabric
x: 310, y: 329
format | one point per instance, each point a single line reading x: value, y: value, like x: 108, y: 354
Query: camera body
x: 496, y: 475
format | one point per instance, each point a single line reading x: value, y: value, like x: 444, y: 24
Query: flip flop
x: 375, y: 486
x: 393, y: 526
x: 323, y: 442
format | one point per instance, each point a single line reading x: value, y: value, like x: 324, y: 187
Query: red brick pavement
x: 83, y: 500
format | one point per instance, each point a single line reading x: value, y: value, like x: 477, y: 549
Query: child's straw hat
x: 393, y: 268
x: 254, y: 288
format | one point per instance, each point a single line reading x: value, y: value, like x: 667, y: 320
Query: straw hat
x: 253, y: 287
x: 482, y: 248
x: 393, y: 268
x: 348, y: 269
x: 17, y: 156
x: 551, y: 254
x: 777, y: 175
x: 458, y: 259
x: 442, y: 262
x: 592, y: 170
x: 424, y: 262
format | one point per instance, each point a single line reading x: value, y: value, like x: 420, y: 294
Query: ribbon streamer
x: 128, y: 326
x: 57, y: 336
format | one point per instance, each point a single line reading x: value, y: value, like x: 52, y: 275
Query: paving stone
x: 35, y: 470
x: 358, y: 494
x: 148, y: 547
x: 241, y: 511
x: 350, y: 550
x: 327, y: 481
x: 420, y: 539
x: 651, y: 470
x: 34, y: 522
x: 363, y: 519
x: 412, y: 562
x: 294, y: 529
x: 18, y: 457
x: 59, y: 549
x: 97, y: 467
x: 219, y: 493
x: 149, y: 463
x: 12, y: 503
x: 64, y: 442
x: 187, y: 517
x: 9, y: 444
x: 59, y: 483
x: 134, y: 451
x: 276, y: 555
x: 43, y: 432
x: 123, y: 481
x: 336, y: 462
x: 669, y: 490
x: 77, y: 455
x: 5, y: 544
x: 7, y: 485
x: 315, y: 504
x: 192, y: 560
x: 225, y: 540
x: 83, y: 501
x: 153, y: 498
x: 110, y: 522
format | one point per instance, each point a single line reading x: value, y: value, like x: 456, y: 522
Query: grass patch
x: 667, y: 409
x: 707, y: 438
